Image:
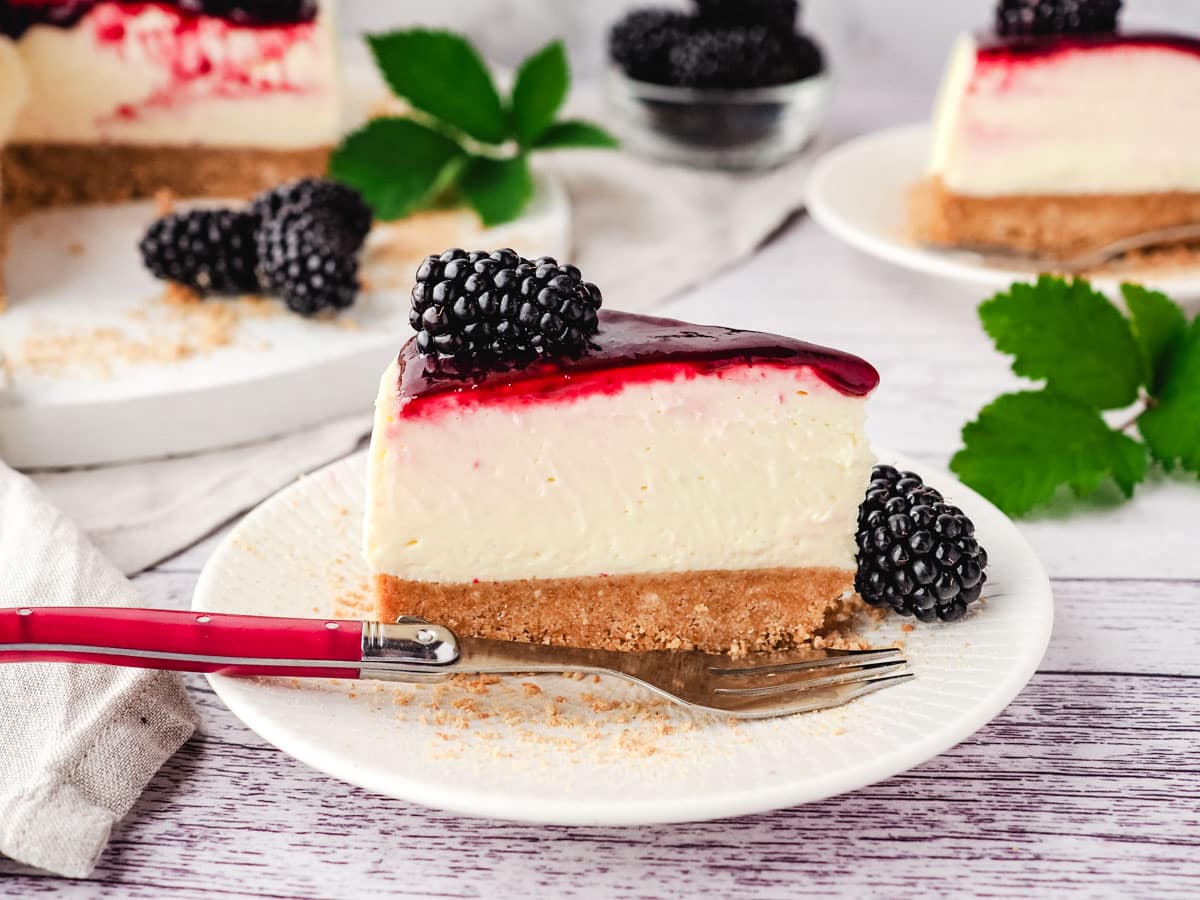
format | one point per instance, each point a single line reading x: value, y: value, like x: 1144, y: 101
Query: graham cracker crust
x: 1043, y: 225
x: 717, y: 611
x: 39, y: 175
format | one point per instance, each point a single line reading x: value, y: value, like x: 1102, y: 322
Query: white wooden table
x: 1088, y: 785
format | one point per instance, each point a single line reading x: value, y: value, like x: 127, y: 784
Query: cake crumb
x: 164, y: 202
x: 530, y: 689
x: 75, y: 248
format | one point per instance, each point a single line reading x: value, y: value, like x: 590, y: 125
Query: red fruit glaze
x: 629, y: 349
x: 995, y: 48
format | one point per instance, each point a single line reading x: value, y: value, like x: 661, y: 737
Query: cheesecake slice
x: 1053, y: 144
x: 12, y: 97
x: 674, y: 486
x: 205, y: 98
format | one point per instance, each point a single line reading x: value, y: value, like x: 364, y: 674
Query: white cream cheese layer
x: 1113, y: 119
x: 758, y: 468
x: 128, y: 74
x: 14, y: 86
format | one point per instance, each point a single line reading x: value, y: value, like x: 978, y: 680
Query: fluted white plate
x: 584, y: 752
x: 858, y: 191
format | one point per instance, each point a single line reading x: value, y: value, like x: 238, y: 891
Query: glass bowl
x: 756, y: 128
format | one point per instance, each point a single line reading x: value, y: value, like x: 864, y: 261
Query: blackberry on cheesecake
x: 663, y: 485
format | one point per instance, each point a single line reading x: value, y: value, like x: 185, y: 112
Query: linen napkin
x: 77, y: 743
x: 642, y: 230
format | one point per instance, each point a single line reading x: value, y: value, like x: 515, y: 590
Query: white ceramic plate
x: 858, y: 191
x: 75, y: 281
x: 555, y: 750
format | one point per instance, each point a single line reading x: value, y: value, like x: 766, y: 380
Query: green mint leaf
x: 440, y: 73
x: 539, y: 91
x: 497, y: 189
x: 1070, y: 335
x: 397, y: 164
x: 1171, y: 427
x: 575, y: 133
x: 1024, y: 446
x: 1158, y: 325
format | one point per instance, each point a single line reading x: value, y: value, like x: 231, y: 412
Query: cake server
x: 754, y: 686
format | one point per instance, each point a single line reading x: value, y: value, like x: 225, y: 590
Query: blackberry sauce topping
x: 18, y: 16
x: 630, y: 347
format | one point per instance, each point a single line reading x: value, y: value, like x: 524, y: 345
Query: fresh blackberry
x: 775, y: 14
x: 727, y: 58
x: 799, y: 57
x: 211, y: 251
x: 303, y: 258
x: 641, y: 42
x: 916, y: 553
x: 1040, y: 17
x: 344, y: 202
x: 500, y: 306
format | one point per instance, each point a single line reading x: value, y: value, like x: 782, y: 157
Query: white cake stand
x: 101, y: 370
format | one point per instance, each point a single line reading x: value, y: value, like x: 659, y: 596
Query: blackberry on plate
x: 776, y: 14
x: 501, y: 306
x: 1041, y: 17
x: 917, y: 554
x: 303, y: 258
x: 339, y: 200
x: 641, y: 42
x: 211, y: 251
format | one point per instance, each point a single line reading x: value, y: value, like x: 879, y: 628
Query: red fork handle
x: 182, y: 641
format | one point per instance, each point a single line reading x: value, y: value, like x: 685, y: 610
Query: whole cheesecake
x: 13, y: 90
x: 202, y: 97
x: 1056, y: 133
x: 674, y: 485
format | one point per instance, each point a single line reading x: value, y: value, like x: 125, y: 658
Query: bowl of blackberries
x: 727, y: 84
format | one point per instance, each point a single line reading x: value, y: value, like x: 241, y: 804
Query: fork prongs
x: 766, y: 685
x: 802, y: 697
x: 837, y: 659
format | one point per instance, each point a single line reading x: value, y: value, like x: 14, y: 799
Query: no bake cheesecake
x: 672, y: 485
x: 12, y: 97
x: 203, y: 98
x: 1056, y: 132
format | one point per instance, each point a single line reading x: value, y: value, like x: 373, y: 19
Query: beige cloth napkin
x: 77, y: 743
x: 643, y: 231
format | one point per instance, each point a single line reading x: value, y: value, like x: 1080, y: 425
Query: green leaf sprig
x: 462, y: 142
x: 1091, y: 359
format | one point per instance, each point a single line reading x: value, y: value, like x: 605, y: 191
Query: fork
x: 1088, y: 259
x: 759, y: 685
